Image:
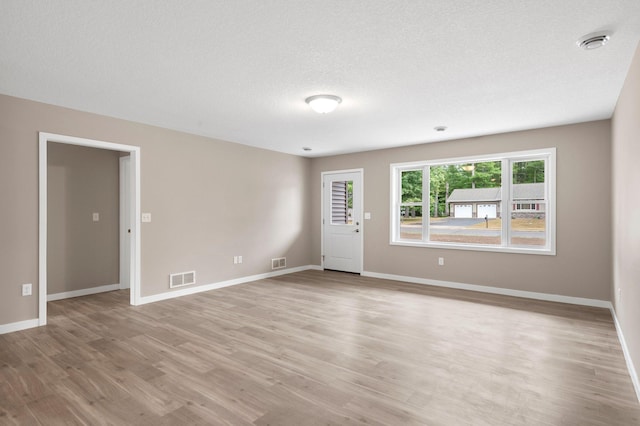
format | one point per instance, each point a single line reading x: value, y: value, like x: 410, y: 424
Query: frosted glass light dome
x: 323, y: 104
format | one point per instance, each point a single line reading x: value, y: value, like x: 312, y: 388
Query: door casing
x: 125, y: 222
x: 135, y: 257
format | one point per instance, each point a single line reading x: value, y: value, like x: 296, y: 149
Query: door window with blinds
x: 342, y: 202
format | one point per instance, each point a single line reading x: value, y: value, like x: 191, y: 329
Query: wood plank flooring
x: 317, y: 348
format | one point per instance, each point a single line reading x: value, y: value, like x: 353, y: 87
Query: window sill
x: 476, y: 247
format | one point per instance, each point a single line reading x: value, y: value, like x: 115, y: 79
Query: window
x: 528, y: 223
x: 411, y: 205
x: 502, y: 202
x: 341, y: 202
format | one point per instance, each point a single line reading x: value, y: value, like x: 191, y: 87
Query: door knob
x: 357, y: 230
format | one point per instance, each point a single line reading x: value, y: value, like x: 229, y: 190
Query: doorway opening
x: 129, y: 215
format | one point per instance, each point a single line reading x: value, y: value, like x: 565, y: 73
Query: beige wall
x: 626, y: 218
x: 209, y: 200
x: 82, y: 253
x: 582, y: 266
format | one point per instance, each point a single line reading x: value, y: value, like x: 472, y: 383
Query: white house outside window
x: 501, y: 202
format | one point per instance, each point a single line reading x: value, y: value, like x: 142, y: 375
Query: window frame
x: 507, y: 160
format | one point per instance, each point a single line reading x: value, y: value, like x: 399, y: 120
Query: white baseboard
x: 221, y: 284
x: 627, y: 355
x: 17, y: 326
x: 83, y: 292
x: 493, y: 290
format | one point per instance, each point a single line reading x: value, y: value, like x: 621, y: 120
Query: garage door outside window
x: 463, y: 211
x: 487, y: 210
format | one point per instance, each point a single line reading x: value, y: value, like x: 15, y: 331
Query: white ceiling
x: 239, y: 70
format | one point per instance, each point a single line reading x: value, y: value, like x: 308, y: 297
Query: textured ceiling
x: 240, y: 70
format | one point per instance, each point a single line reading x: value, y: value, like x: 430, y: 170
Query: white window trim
x: 507, y: 159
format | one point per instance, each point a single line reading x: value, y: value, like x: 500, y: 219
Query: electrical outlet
x: 441, y: 261
x: 27, y: 289
x: 146, y: 217
x: 96, y: 217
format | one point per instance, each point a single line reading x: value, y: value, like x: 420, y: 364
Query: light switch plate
x: 96, y: 217
x: 27, y: 289
x: 367, y: 215
x: 146, y: 217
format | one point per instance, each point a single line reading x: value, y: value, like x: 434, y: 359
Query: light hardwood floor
x: 318, y: 348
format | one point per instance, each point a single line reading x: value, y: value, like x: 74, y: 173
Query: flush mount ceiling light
x: 323, y: 104
x: 594, y: 40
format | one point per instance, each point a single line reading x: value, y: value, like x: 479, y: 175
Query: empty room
x: 319, y: 213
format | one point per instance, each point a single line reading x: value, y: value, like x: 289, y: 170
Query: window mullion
x: 506, y: 202
x: 426, y: 203
x: 399, y: 203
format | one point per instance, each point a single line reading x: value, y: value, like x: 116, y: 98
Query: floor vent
x: 182, y: 279
x: 279, y: 263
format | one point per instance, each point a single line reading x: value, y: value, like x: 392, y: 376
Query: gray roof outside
x: 523, y: 191
x: 528, y: 191
x: 475, y: 194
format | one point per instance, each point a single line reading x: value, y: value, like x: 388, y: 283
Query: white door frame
x: 134, y: 270
x: 361, y: 209
x: 124, y: 228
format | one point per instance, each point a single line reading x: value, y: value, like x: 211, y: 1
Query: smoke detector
x: 594, y: 40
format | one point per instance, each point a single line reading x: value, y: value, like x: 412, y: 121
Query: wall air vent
x: 279, y: 263
x: 181, y: 279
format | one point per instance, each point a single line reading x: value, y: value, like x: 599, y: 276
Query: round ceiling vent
x: 594, y: 40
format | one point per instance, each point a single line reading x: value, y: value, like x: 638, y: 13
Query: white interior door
x: 342, y: 221
x: 125, y: 222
